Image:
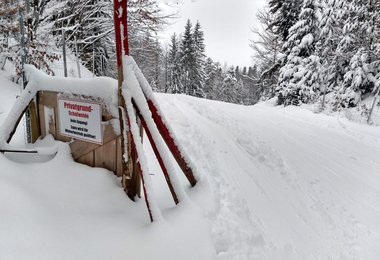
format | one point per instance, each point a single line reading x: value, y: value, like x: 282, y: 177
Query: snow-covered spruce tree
x: 285, y: 14
x: 299, y: 76
x: 187, y: 54
x: 254, y: 85
x: 174, y: 66
x: 9, y: 30
x: 360, y: 41
x: 210, y: 78
x: 229, y: 91
x: 216, y: 76
x: 198, y: 79
x: 331, y: 31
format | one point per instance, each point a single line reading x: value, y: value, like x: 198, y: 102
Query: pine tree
x: 210, y: 78
x: 285, y: 14
x: 331, y: 25
x: 362, y: 32
x: 187, y: 50
x: 230, y: 88
x: 174, y: 66
x: 198, y: 79
x: 299, y: 77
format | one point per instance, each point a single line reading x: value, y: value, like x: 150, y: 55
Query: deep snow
x: 276, y: 183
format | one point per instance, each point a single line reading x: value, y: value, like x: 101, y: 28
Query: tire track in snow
x: 326, y: 211
x: 235, y: 234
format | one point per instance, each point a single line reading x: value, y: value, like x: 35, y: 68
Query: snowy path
x: 300, y: 185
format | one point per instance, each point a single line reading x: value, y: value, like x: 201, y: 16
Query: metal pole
x: 24, y: 82
x: 93, y: 60
x: 77, y: 54
x: 64, y: 52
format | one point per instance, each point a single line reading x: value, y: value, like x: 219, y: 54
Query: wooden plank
x: 80, y: 148
x: 87, y: 159
x: 48, y: 98
x: 119, y: 158
x: 41, y: 113
x: 34, y: 122
x: 105, y: 156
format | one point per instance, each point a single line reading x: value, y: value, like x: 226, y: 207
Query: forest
x: 323, y: 52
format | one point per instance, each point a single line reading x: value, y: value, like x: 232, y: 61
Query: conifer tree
x: 187, y: 50
x: 210, y: 78
x: 230, y: 88
x: 362, y: 31
x: 198, y: 79
x: 331, y: 29
x: 299, y: 77
x: 285, y: 15
x: 174, y: 66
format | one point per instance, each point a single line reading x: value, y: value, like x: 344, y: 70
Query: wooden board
x: 105, y: 156
x: 87, y: 159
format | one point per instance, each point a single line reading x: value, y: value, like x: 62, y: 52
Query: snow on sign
x: 80, y: 120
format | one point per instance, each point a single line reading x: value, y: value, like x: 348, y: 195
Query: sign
x: 80, y: 120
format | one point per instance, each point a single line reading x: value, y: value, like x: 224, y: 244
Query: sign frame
x: 61, y: 97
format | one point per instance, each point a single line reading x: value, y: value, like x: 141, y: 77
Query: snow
x: 276, y: 183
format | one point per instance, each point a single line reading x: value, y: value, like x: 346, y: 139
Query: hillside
x: 276, y: 183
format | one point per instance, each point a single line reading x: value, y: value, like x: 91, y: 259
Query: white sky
x: 227, y: 26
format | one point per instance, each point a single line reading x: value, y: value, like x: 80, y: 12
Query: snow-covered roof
x: 102, y: 88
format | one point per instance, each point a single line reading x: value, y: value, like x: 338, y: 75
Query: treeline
x: 87, y: 28
x: 189, y: 71
x: 319, y: 51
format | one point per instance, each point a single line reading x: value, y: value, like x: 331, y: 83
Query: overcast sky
x: 226, y: 23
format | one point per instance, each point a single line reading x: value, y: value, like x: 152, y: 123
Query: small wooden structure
x: 106, y: 156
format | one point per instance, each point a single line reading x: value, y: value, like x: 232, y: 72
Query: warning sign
x: 80, y: 120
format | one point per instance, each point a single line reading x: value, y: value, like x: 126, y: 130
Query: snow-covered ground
x: 277, y: 183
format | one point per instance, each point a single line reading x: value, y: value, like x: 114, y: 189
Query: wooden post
x: 131, y: 176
